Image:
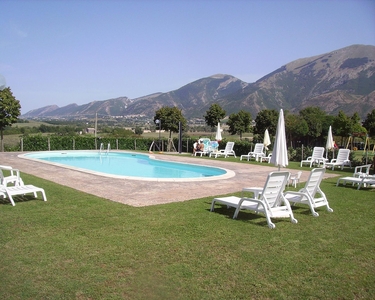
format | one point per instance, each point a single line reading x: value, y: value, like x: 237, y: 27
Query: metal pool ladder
x: 101, y: 150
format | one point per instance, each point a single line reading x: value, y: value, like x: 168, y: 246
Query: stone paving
x: 143, y: 193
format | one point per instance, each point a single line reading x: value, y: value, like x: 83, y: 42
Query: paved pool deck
x: 143, y: 193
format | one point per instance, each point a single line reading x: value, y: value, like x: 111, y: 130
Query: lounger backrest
x: 274, y: 187
x: 258, y: 148
x: 313, y: 183
x: 318, y: 152
x: 342, y: 155
x: 229, y: 146
x: 2, y: 176
x: 362, y: 170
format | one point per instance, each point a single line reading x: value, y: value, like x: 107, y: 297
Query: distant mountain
x: 343, y: 79
x: 111, y: 107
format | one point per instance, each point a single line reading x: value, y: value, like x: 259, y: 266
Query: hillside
x: 343, y: 79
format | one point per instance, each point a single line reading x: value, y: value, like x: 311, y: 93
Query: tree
x: 10, y: 109
x: 342, y: 126
x: 214, y: 114
x: 356, y: 125
x: 315, y: 118
x: 369, y: 123
x: 266, y: 119
x: 295, y: 128
x: 239, y: 123
x: 138, y: 130
x: 170, y: 118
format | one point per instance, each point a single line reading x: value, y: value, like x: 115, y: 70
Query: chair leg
x: 11, y: 200
x: 212, y: 205
x: 269, y: 222
x: 329, y: 209
x: 237, y: 211
x: 44, y: 195
x: 314, y: 213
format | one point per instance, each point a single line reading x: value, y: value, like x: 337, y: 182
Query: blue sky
x: 78, y: 51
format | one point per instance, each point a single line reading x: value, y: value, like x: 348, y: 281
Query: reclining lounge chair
x: 341, y: 160
x: 224, y: 152
x: 9, y: 192
x: 311, y: 194
x: 257, y: 153
x: 271, y: 201
x: 316, y: 157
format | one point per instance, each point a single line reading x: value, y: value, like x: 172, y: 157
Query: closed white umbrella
x: 218, y: 133
x: 266, y: 139
x: 280, y: 153
x: 330, y: 145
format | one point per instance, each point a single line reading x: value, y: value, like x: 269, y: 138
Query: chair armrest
x: 14, y: 176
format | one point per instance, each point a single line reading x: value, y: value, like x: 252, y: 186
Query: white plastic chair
x: 257, y: 153
x: 266, y: 158
x: 206, y: 143
x: 10, y: 191
x: 341, y: 160
x: 270, y: 201
x: 360, y: 181
x: 317, y: 157
x: 311, y: 194
x: 362, y: 171
x: 14, y: 177
x: 295, y: 178
x: 225, y: 152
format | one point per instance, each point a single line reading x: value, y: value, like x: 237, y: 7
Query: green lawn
x: 78, y: 246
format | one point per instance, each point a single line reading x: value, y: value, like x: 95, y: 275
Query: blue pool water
x: 126, y: 164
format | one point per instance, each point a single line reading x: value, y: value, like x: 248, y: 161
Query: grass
x: 79, y: 246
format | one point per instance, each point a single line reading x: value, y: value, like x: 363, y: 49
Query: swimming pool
x: 129, y: 165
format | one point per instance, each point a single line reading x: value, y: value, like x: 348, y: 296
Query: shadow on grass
x: 18, y: 199
x: 246, y: 216
x: 301, y: 210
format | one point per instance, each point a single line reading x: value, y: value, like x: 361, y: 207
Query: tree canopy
x: 295, y: 128
x: 170, y: 118
x: 10, y: 109
x: 214, y: 114
x: 314, y: 116
x: 369, y: 123
x: 266, y: 119
x: 239, y: 123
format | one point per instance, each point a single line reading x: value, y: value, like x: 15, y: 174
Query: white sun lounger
x: 316, y: 157
x: 361, y: 181
x: 311, y: 194
x: 270, y: 201
x: 341, y: 160
x: 13, y: 178
x: 257, y: 153
x: 224, y: 152
x: 10, y: 191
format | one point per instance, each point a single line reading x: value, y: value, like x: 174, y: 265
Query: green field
x: 78, y: 246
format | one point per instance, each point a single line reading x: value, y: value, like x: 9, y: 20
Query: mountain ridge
x: 341, y: 79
